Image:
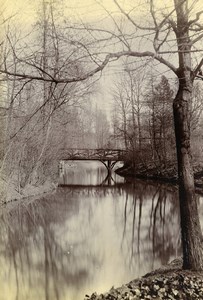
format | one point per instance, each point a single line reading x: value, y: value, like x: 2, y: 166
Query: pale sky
x: 84, y: 8
x: 25, y: 8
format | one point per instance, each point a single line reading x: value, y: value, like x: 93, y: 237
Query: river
x: 91, y: 234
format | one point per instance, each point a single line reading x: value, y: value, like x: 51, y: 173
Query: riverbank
x: 10, y: 195
x: 168, y: 282
x: 164, y: 173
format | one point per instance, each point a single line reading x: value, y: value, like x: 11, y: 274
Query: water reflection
x: 88, y: 173
x: 151, y: 215
x: 84, y: 239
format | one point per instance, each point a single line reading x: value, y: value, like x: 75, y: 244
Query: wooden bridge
x: 93, y: 154
x: 109, y: 157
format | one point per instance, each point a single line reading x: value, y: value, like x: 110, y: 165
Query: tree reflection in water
x: 153, y: 236
x: 74, y: 242
x: 34, y: 249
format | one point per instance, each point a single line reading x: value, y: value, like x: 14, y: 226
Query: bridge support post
x: 61, y: 168
x: 109, y: 169
x: 109, y: 165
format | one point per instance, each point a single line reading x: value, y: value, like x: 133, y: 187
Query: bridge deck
x: 93, y: 158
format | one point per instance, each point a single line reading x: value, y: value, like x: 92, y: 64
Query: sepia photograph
x: 101, y: 149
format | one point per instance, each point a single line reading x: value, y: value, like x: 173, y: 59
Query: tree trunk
x: 125, y: 129
x: 139, y: 130
x: 190, y: 224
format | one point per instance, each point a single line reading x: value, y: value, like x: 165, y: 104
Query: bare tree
x: 185, y: 33
x: 37, y: 111
x: 135, y: 97
x: 122, y: 108
x: 102, y: 129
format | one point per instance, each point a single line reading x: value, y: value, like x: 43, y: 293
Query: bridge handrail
x: 94, y: 149
x: 94, y: 154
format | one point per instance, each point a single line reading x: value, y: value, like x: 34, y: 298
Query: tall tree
x: 102, y: 129
x: 190, y: 225
x: 120, y: 112
x: 174, y: 23
x: 160, y: 99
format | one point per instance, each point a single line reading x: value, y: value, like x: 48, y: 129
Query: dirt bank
x: 165, y: 173
x: 168, y: 282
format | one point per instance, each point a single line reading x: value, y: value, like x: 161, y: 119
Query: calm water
x: 90, y: 235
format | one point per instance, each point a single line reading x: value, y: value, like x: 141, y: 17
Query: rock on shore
x: 169, y: 282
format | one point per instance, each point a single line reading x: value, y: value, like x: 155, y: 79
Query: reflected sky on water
x: 88, y: 173
x: 87, y: 238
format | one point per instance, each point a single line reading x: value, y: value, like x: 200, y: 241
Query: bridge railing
x: 99, y: 153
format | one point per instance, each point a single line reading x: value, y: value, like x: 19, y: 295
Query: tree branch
x: 197, y: 70
x: 197, y: 18
x: 131, y: 20
x: 197, y: 39
x: 108, y: 58
x: 123, y: 40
